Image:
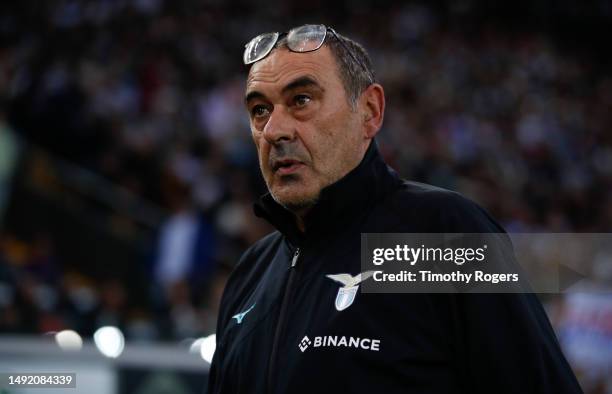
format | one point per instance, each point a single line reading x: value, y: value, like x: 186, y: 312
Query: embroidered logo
x: 241, y: 315
x: 339, y: 342
x: 304, y: 343
x: 350, y: 285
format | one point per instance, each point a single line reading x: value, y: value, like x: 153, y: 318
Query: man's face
x: 306, y: 133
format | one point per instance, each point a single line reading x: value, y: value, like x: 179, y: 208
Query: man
x: 314, y: 110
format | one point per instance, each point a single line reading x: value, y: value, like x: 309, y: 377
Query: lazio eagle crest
x: 350, y: 285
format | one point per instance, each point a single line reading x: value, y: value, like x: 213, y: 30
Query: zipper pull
x: 296, y: 255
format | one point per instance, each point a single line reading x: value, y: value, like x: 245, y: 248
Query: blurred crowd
x: 148, y: 94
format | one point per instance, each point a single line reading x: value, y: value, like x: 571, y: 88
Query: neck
x: 299, y: 221
x: 299, y: 218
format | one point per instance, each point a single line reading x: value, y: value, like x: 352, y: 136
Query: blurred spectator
x: 185, y: 247
x: 9, y: 150
x: 586, y: 334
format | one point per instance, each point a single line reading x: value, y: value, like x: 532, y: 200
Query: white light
x: 69, y: 340
x: 109, y: 341
x: 196, y: 346
x: 207, y: 347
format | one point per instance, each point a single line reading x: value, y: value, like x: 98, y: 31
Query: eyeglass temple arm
x: 348, y: 50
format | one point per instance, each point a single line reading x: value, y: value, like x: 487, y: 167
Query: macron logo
x: 304, y: 343
x: 239, y: 317
x: 340, y: 341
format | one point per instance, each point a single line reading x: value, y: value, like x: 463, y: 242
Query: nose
x: 280, y: 126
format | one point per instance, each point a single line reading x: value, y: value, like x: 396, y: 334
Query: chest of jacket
x: 298, y: 330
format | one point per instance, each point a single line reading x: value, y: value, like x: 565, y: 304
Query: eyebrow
x: 300, y: 82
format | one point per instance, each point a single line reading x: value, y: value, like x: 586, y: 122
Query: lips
x: 286, y: 166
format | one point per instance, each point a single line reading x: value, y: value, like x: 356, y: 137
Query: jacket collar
x: 340, y: 204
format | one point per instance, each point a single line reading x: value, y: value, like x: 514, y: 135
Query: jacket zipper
x: 280, y: 325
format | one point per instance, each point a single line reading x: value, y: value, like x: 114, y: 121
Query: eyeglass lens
x: 259, y: 47
x: 306, y: 38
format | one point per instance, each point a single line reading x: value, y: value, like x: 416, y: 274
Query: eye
x: 301, y: 100
x: 259, y: 111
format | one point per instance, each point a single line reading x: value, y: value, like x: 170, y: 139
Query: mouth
x: 286, y: 166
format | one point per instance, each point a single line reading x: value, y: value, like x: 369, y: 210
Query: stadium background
x: 127, y: 172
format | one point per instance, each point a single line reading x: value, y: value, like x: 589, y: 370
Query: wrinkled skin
x: 306, y: 132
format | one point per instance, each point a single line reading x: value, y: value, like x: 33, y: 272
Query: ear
x: 373, y: 107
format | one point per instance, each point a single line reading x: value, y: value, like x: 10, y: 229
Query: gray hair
x: 355, y: 70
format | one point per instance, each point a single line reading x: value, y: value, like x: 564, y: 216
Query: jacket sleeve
x: 505, y: 343
x: 233, y: 281
x: 213, y: 372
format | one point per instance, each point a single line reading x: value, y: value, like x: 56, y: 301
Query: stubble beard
x: 298, y: 204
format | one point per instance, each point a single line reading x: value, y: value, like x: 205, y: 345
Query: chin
x: 295, y: 200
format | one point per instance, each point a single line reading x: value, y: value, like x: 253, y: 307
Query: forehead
x: 282, y: 65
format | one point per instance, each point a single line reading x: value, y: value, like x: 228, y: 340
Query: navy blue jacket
x: 278, y: 306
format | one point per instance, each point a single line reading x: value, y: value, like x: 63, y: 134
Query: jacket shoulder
x: 246, y: 273
x: 418, y: 207
x: 250, y: 262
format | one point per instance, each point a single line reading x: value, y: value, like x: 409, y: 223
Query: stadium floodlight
x: 196, y: 346
x: 110, y: 341
x: 208, y: 346
x: 69, y: 340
